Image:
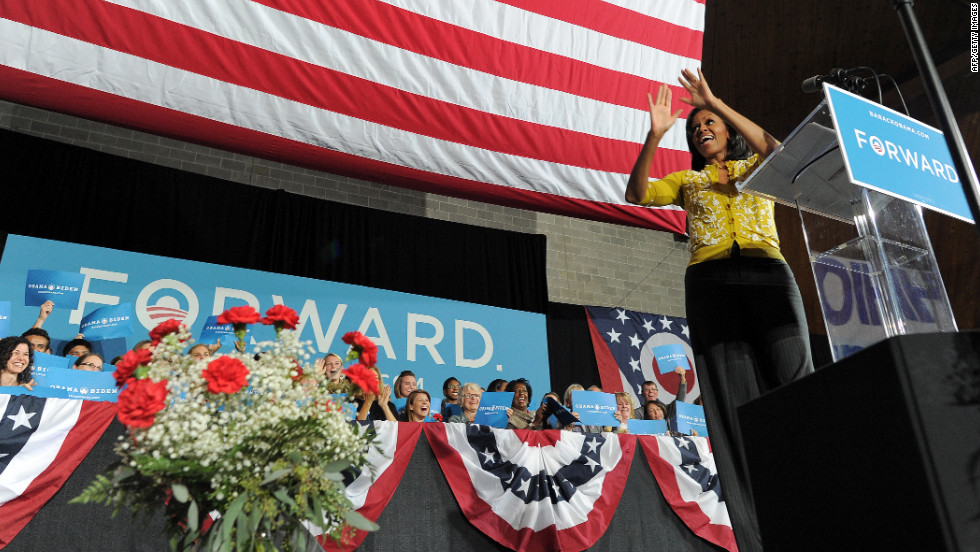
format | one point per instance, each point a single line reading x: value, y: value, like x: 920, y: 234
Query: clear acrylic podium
x: 883, y: 281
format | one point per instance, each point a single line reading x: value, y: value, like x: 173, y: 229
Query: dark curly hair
x: 7, y: 346
x: 737, y: 148
x: 512, y: 386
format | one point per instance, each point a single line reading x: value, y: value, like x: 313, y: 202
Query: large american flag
x: 535, y: 104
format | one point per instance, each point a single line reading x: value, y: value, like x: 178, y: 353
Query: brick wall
x: 589, y: 263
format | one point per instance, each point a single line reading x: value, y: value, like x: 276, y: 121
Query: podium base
x: 873, y: 452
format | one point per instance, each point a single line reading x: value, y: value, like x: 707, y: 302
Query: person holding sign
x: 469, y: 404
x: 91, y: 362
x: 17, y: 361
x: 520, y: 416
x: 748, y: 328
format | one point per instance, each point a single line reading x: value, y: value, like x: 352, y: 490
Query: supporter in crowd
x: 450, y: 392
x: 39, y: 339
x: 17, y: 361
x: 595, y: 388
x: 497, y: 386
x: 654, y: 410
x: 92, y: 362
x: 404, y: 384
x: 543, y: 412
x: 115, y: 360
x: 330, y: 367
x: 624, y: 410
x: 520, y: 416
x: 651, y: 392
x: 469, y: 403
x: 76, y: 347
x: 200, y: 351
x: 417, y: 406
x: 375, y: 407
x: 145, y: 344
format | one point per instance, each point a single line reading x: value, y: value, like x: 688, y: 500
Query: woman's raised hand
x: 661, y: 119
x: 697, y: 87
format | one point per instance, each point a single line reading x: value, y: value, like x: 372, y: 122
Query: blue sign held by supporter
x: 45, y: 362
x: 108, y: 322
x: 595, y: 408
x: 689, y: 418
x: 399, y: 406
x: 493, y: 408
x: 75, y: 384
x: 647, y: 427
x: 4, y: 318
x: 212, y: 332
x: 60, y: 287
x: 669, y: 357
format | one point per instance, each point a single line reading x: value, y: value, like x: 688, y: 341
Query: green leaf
x: 334, y: 476
x: 180, y: 492
x: 228, y: 519
x: 282, y: 495
x: 121, y: 473
x: 295, y: 457
x: 242, y: 534
x: 278, y: 474
x: 336, y: 466
x: 192, y: 517
x: 358, y: 521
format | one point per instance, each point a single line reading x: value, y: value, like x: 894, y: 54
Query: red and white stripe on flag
x: 534, y: 104
x: 373, y: 488
x: 534, y: 490
x: 684, y: 467
x: 42, y: 441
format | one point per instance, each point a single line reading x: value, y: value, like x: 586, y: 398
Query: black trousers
x: 749, y: 335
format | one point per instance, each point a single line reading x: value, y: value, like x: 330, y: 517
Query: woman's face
x: 452, y: 390
x: 200, y: 352
x: 710, y: 135
x: 20, y: 357
x: 471, y: 400
x: 623, y: 406
x: 520, y: 397
x: 419, y: 407
x: 407, y: 385
x: 89, y: 363
x: 331, y: 367
x: 654, y: 412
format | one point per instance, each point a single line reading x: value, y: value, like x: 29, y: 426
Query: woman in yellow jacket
x: 748, y: 328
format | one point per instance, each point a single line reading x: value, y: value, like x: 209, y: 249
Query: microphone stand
x: 940, y: 106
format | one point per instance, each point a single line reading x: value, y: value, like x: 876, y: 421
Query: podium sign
x: 896, y: 155
x: 861, y: 163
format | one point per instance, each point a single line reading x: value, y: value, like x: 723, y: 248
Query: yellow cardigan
x: 718, y: 215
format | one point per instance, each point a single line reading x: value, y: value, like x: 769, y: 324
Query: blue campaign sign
x: 896, y: 155
x: 669, y: 357
x: 61, y: 287
x: 212, y: 331
x: 44, y: 361
x: 108, y: 322
x: 647, y: 427
x: 493, y: 408
x: 434, y: 338
x: 690, y: 417
x: 4, y: 318
x: 74, y: 384
x: 595, y: 408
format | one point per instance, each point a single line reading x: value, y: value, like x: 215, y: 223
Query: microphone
x: 836, y: 76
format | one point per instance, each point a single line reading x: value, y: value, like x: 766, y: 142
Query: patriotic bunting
x: 42, y: 441
x: 539, y: 105
x: 534, y: 490
x: 372, y: 488
x: 685, y: 470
